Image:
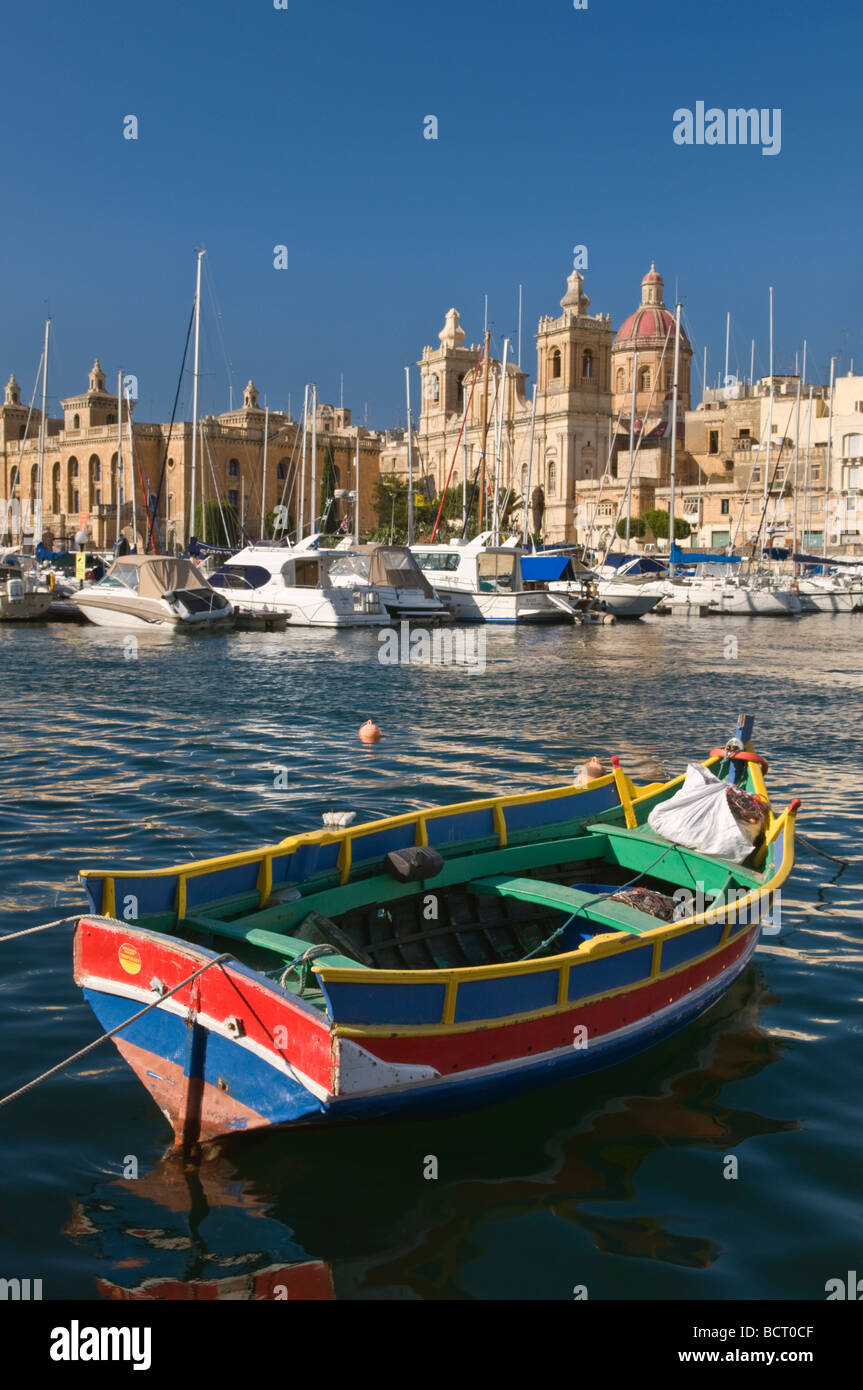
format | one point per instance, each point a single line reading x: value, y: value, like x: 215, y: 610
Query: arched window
x: 76, y: 422
x: 621, y: 379
x: 72, y: 486
x: 34, y: 480
x: 22, y: 430
x: 461, y: 394
x: 554, y: 363
x: 170, y: 506
x: 233, y: 468
x: 113, y: 483
x: 434, y: 391
x: 55, y: 489
x: 852, y: 446
x: 552, y: 478
x: 587, y: 365
x: 644, y: 380
x: 282, y: 470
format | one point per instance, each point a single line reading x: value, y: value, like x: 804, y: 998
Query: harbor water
x: 171, y: 747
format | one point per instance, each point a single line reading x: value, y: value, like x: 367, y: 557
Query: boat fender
x: 413, y: 864
x: 52, y: 579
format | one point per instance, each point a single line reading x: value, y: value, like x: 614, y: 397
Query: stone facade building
x: 81, y: 487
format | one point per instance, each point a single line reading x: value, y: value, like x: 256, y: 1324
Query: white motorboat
x: 396, y: 575
x: 22, y: 597
x: 483, y: 583
x: 315, y: 588
x: 145, y: 591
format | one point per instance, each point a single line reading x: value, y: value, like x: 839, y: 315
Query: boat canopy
x: 394, y: 565
x: 699, y: 557
x: 153, y: 576
x: 637, y: 564
x: 541, y: 569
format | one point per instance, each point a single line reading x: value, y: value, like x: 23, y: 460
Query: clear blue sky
x: 305, y: 127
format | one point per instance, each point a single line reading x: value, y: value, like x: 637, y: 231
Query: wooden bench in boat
x: 641, y: 847
x: 558, y: 898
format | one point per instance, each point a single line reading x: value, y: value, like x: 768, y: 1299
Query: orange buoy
x: 370, y: 733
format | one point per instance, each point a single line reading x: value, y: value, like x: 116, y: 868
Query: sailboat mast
x: 631, y: 448
x: 43, y: 426
x: 264, y: 475
x: 727, y: 344
x: 674, y: 391
x: 302, y: 520
x: 498, y: 467
x: 314, y: 479
x: 195, y: 395
x: 120, y: 451
x: 794, y: 484
x: 806, y: 472
x: 410, y: 459
x: 763, y: 521
x: 132, y: 472
x: 829, y: 459
x: 357, y: 494
x: 484, y: 433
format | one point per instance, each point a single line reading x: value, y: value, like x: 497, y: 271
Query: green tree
x: 637, y: 528
x: 210, y: 528
x: 657, y: 521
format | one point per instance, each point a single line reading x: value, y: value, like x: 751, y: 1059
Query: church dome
x: 651, y: 323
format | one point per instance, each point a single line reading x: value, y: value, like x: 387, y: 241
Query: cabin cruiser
x: 626, y: 591
x: 484, y: 583
x: 153, y: 591
x: 22, y: 596
x: 315, y: 588
x: 400, y: 581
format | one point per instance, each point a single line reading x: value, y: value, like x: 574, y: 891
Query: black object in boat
x: 413, y: 864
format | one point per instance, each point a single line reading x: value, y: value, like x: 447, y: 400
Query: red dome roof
x: 648, y: 322
x: 652, y: 276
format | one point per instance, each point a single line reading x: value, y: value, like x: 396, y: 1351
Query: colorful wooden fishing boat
x: 422, y: 963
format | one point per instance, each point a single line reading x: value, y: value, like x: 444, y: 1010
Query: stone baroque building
x: 573, y: 407
x: 80, y: 482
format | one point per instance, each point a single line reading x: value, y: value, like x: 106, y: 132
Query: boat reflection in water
x: 361, y: 1199
x: 150, y: 1233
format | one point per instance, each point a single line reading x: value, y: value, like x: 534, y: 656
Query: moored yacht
x: 22, y: 597
x: 315, y: 588
x: 141, y: 591
x: 483, y: 583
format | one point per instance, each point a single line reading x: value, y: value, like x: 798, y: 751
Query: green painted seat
x: 558, y: 898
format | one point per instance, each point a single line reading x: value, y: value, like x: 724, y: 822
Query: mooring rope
x: 28, y: 931
x: 22, y: 1090
x: 600, y: 897
x: 810, y: 844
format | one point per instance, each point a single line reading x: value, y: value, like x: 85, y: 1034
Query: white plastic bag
x: 699, y: 817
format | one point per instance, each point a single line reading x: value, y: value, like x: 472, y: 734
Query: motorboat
x: 484, y: 583
x: 403, y: 586
x: 141, y: 591
x: 315, y: 588
x: 625, y: 591
x: 23, y: 597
